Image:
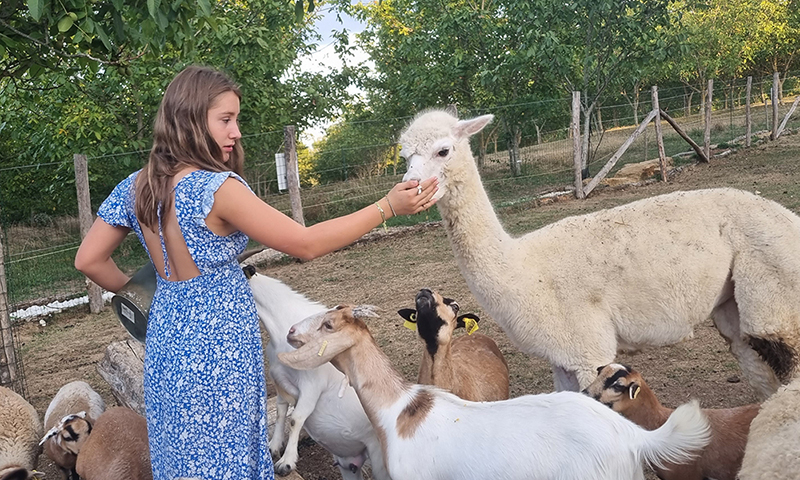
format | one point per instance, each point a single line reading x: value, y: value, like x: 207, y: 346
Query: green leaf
x: 103, y: 37
x: 299, y: 13
x: 35, y: 8
x: 65, y: 24
x: 152, y: 7
x: 205, y: 6
x: 73, y: 16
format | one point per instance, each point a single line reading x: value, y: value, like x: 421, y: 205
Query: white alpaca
x: 324, y: 404
x: 430, y: 434
x: 642, y: 274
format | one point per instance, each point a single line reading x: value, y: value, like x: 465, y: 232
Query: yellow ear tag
x: 411, y: 324
x: 322, y: 348
x: 471, y: 325
x: 635, y: 393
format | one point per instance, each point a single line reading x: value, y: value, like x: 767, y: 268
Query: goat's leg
x: 376, y: 461
x: 756, y: 371
x: 279, y: 435
x: 305, y: 406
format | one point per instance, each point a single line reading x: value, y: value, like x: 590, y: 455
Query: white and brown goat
x: 625, y: 391
x: 427, y: 433
x: 470, y: 366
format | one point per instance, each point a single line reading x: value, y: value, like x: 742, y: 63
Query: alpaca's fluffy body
x: 430, y: 434
x: 20, y: 431
x: 324, y: 404
x: 773, y: 447
x: 642, y: 274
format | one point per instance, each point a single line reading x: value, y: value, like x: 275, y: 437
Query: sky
x: 324, y: 58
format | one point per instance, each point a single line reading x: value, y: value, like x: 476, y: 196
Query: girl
x: 203, y: 374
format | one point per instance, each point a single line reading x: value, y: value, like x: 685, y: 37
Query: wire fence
x: 42, y: 234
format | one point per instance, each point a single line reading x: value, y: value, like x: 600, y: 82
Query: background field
x: 388, y: 272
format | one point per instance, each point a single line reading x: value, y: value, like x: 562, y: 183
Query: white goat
x: 470, y: 366
x: 773, y: 447
x: 642, y: 274
x: 68, y: 421
x: 117, y: 449
x: 625, y: 391
x: 20, y: 431
x: 428, y: 434
x: 323, y: 403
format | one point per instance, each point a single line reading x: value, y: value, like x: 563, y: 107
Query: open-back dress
x: 204, y: 380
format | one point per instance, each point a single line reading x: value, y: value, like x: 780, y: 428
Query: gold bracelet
x: 390, y: 205
x: 383, y: 216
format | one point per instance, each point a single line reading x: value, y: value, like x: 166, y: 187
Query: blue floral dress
x: 204, y: 384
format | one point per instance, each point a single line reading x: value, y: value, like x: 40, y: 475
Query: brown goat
x: 117, y: 449
x: 470, y: 366
x: 625, y: 391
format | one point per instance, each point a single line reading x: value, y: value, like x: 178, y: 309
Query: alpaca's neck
x: 476, y: 234
x: 376, y: 382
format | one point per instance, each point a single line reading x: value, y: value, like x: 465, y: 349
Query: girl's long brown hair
x: 181, y: 138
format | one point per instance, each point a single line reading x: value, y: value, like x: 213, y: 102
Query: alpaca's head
x: 433, y: 140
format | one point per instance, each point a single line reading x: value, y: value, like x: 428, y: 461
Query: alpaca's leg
x: 756, y: 371
x: 564, y: 379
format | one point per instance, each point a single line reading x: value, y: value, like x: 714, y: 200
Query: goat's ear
x: 316, y: 352
x: 468, y: 128
x: 468, y: 321
x: 408, y: 314
x: 362, y: 312
x: 633, y: 390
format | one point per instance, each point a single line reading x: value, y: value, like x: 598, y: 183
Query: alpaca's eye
x: 443, y: 152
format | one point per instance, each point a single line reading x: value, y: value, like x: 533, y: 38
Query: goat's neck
x: 477, y: 236
x: 442, y: 369
x: 647, y: 411
x: 376, y: 382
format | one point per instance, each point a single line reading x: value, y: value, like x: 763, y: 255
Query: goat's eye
x: 618, y: 387
x: 443, y: 152
x: 455, y: 307
x: 328, y: 325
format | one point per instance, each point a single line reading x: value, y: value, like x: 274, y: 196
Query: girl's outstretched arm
x: 237, y: 208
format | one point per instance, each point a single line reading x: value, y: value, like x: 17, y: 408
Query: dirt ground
x: 388, y: 273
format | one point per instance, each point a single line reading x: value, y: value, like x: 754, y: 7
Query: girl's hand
x: 408, y: 198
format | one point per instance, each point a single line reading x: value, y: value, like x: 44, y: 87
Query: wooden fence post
x: 786, y: 118
x: 748, y: 121
x: 775, y: 99
x: 8, y: 356
x: 707, y: 134
x: 662, y: 157
x: 575, y: 127
x: 292, y: 178
x: 86, y: 219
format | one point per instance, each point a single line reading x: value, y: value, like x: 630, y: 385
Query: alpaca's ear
x: 316, y: 352
x: 468, y: 128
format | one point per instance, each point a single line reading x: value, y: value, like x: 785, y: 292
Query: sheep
x: 625, y: 391
x: 117, y: 449
x: 470, y: 366
x: 68, y: 421
x: 323, y: 404
x: 773, y: 447
x: 428, y: 433
x: 20, y: 431
x: 641, y: 274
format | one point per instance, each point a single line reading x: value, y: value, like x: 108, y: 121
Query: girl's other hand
x: 408, y: 198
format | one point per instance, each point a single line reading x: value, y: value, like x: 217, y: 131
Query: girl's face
x: 223, y: 124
